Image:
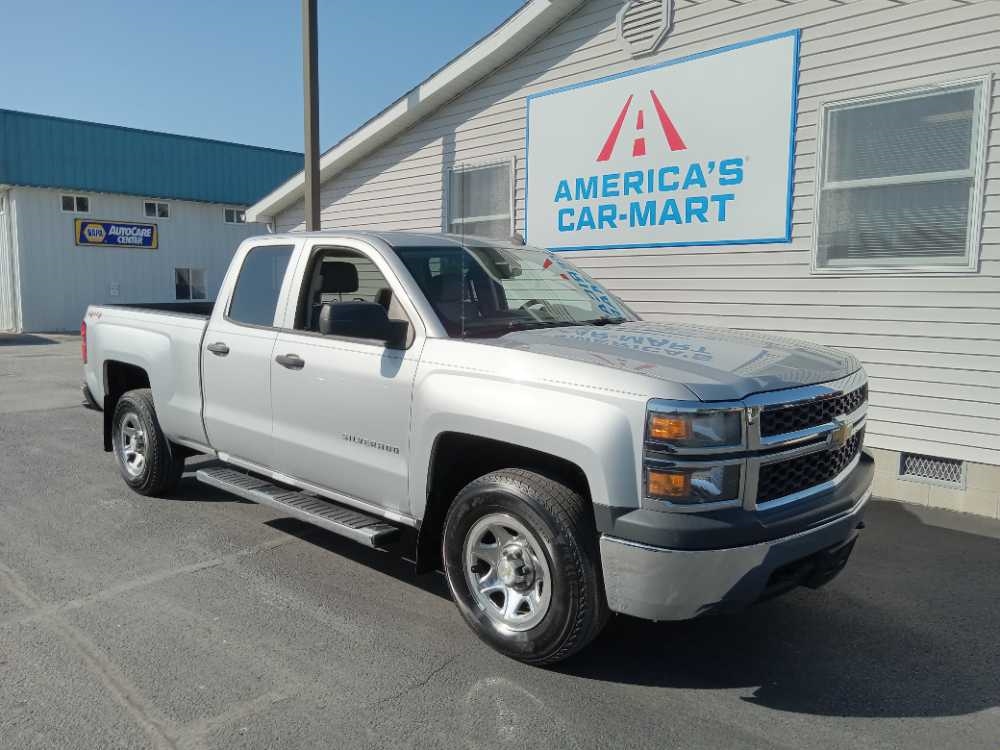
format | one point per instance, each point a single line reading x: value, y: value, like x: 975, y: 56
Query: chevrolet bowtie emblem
x: 839, y: 436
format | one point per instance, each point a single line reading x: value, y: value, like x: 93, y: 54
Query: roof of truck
x: 394, y: 238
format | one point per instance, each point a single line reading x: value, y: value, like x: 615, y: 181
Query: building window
x: 234, y: 216
x: 155, y: 210
x: 900, y: 181
x: 189, y: 283
x: 76, y: 204
x: 481, y: 199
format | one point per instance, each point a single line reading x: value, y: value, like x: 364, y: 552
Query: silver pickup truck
x: 557, y: 457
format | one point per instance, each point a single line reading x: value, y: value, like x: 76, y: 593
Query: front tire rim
x: 132, y: 444
x: 507, y: 572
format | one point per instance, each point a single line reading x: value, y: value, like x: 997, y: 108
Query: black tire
x: 162, y: 463
x: 563, y: 524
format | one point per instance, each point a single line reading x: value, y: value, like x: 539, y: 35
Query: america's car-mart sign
x: 696, y: 151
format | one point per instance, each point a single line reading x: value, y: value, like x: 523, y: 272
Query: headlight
x: 692, y: 455
x: 696, y: 428
x: 690, y: 486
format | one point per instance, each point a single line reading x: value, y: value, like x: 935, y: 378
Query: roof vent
x: 644, y: 24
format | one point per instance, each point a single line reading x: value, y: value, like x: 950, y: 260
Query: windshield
x: 479, y: 289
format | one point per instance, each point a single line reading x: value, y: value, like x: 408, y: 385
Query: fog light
x: 667, y: 484
x: 693, y: 486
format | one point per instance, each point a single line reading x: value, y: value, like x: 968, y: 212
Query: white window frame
x: 978, y: 157
x: 190, y: 270
x: 511, y: 165
x: 76, y: 197
x: 236, y: 211
x: 157, y: 203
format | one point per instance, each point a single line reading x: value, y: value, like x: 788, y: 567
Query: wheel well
x: 119, y: 378
x: 457, y: 459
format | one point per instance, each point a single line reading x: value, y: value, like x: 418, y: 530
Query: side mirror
x: 361, y: 320
x: 399, y: 332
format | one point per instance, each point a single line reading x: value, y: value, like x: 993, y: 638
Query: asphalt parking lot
x: 206, y: 622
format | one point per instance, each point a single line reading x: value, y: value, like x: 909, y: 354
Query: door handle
x: 291, y: 361
x: 218, y: 348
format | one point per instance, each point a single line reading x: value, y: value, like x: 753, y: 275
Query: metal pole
x: 311, y: 92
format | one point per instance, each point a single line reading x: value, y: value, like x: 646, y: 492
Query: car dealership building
x: 827, y: 170
x: 93, y: 214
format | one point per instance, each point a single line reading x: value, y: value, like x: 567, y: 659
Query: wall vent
x: 932, y: 469
x: 643, y: 25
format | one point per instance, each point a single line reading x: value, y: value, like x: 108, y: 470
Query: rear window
x: 255, y: 297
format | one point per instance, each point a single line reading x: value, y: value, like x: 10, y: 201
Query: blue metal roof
x: 43, y: 151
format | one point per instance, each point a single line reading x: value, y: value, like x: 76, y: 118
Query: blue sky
x: 228, y: 69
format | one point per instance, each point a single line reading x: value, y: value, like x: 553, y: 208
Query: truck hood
x: 716, y: 364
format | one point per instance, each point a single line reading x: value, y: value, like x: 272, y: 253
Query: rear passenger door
x: 341, y: 405
x: 236, y: 357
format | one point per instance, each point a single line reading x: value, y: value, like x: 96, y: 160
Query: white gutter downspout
x: 9, y: 241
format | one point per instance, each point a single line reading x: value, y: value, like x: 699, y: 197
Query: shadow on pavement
x: 24, y: 339
x: 190, y: 490
x: 908, y: 630
x: 392, y: 561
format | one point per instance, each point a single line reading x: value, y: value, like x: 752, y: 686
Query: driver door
x: 341, y: 406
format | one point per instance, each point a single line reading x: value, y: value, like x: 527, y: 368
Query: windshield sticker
x: 597, y: 294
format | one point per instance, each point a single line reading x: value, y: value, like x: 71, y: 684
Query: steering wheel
x: 542, y: 305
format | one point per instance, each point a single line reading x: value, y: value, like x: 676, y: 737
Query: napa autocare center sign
x: 696, y: 151
x: 115, y: 233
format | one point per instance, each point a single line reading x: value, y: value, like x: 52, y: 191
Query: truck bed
x: 160, y: 340
x: 199, y: 308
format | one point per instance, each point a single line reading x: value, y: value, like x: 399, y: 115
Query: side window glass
x: 343, y: 276
x: 255, y: 297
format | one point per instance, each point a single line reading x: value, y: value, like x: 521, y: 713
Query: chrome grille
x: 778, y: 420
x: 784, y: 478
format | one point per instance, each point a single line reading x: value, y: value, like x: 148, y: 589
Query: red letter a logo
x: 674, y: 140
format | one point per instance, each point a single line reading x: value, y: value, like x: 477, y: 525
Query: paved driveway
x: 203, y: 622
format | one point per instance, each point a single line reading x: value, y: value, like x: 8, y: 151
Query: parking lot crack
x: 416, y: 684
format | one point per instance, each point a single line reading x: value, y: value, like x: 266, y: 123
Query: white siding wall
x: 930, y: 344
x: 59, y: 279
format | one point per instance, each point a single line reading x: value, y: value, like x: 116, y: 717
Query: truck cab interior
x: 339, y: 277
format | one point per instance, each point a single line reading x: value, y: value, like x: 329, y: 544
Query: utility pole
x: 311, y: 90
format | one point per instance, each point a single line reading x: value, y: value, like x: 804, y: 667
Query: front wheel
x: 521, y: 560
x: 148, y: 463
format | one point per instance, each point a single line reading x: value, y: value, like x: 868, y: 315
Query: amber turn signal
x: 668, y: 427
x: 667, y: 484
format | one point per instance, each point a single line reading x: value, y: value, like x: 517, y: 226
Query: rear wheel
x: 147, y: 461
x: 521, y: 561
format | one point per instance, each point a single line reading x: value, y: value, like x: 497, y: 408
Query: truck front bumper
x: 658, y: 583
